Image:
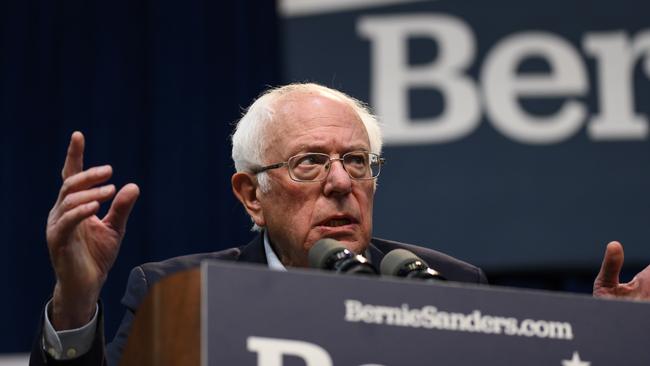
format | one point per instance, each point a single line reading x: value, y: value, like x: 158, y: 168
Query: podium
x: 166, y: 329
x: 238, y: 314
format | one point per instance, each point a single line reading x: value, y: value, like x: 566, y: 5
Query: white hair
x: 249, y: 139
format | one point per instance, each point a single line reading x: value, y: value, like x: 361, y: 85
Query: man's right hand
x: 82, y: 246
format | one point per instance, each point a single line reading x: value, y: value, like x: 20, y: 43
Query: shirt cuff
x: 70, y: 343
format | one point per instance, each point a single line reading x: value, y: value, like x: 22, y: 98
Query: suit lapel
x: 376, y: 255
x: 253, y: 252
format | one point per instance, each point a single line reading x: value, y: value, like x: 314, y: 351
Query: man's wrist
x: 65, y: 314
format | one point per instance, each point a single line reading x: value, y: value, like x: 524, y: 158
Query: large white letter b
x: 392, y: 76
x: 270, y: 351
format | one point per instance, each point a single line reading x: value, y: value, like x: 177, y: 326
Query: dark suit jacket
x: 143, y: 276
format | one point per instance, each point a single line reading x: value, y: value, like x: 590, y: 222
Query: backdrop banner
x: 516, y: 132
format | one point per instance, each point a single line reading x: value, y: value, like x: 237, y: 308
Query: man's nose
x: 338, y: 180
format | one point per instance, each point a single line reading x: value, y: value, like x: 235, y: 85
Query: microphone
x: 403, y: 263
x: 331, y: 255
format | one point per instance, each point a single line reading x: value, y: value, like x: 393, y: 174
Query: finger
x: 84, y: 180
x: 642, y: 283
x: 121, y: 207
x: 74, y: 160
x: 99, y: 194
x: 612, y: 265
x: 72, y: 218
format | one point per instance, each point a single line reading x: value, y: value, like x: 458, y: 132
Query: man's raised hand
x: 607, y: 282
x: 82, y: 246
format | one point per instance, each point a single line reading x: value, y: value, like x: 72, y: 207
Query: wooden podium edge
x: 167, y: 326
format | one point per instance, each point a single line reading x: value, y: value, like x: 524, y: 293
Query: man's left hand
x: 607, y: 282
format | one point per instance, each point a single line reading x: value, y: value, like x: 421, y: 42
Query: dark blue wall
x: 155, y: 87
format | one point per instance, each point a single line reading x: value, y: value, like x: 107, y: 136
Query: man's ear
x: 244, y: 186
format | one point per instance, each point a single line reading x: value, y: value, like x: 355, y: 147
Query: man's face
x: 297, y: 214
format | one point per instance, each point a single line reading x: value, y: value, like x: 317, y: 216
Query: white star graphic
x: 575, y: 361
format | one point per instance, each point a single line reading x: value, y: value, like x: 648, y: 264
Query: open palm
x: 82, y: 246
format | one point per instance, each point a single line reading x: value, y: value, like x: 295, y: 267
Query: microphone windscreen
x: 394, y: 261
x: 321, y: 251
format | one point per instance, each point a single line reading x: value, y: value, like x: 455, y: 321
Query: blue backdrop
x: 519, y: 129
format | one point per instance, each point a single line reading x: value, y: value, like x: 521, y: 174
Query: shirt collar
x: 271, y: 258
x: 274, y: 262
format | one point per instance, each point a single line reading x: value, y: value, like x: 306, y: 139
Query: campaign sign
x: 256, y: 316
x: 516, y: 132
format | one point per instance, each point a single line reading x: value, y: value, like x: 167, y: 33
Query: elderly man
x: 307, y: 158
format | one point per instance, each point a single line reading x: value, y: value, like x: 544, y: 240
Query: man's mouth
x: 337, y: 222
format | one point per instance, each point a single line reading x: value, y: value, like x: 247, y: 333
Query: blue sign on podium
x: 256, y: 316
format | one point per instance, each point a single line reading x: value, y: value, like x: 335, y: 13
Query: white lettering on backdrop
x: 615, y: 55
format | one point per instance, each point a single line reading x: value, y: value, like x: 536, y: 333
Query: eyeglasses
x: 314, y: 167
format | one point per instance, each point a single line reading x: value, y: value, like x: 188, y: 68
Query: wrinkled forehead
x: 312, y: 112
x: 303, y: 106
